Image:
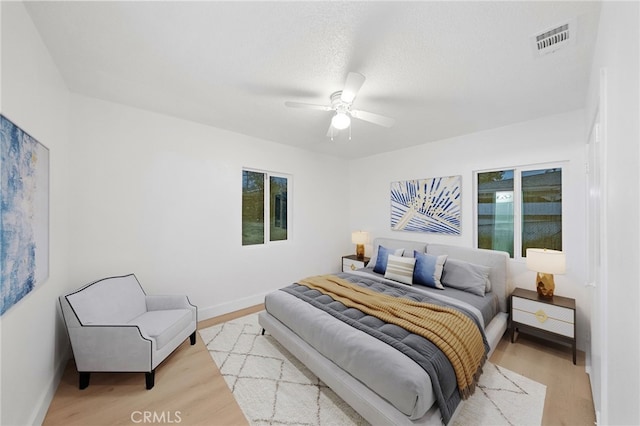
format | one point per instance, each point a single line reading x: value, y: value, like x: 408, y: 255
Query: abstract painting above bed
x: 427, y: 205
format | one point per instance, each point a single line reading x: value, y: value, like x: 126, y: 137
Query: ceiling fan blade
x: 307, y: 106
x: 380, y: 120
x: 331, y: 132
x: 352, y: 86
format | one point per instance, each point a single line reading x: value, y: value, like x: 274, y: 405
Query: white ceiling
x: 439, y: 68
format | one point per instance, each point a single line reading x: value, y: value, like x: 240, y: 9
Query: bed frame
x: 367, y: 403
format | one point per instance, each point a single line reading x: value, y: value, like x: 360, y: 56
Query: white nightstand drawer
x: 351, y: 265
x: 552, y: 311
x: 555, y: 319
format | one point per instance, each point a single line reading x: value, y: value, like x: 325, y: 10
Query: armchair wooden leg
x: 150, y: 378
x: 193, y: 338
x: 83, y: 381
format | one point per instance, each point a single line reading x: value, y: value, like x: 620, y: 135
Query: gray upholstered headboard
x: 497, y: 260
x: 408, y: 246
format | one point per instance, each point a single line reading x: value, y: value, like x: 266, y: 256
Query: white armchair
x: 115, y: 327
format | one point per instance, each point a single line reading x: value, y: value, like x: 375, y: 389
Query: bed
x: 386, y: 381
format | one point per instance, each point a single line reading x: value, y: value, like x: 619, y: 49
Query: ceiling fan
x: 341, y: 102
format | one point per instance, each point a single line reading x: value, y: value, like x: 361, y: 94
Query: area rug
x: 273, y: 388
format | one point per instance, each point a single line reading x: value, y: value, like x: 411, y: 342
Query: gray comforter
x: 400, y: 385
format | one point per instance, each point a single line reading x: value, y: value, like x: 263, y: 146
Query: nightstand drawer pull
x: 353, y: 267
x: 541, y: 316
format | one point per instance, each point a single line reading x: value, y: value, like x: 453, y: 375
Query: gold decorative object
x: 545, y: 285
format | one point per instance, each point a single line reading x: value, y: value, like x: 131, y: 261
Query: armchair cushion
x: 162, y: 326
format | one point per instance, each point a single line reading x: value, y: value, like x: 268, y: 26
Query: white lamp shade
x: 546, y: 261
x: 340, y: 121
x: 359, y: 237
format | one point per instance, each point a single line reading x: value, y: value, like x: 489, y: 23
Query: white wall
x: 551, y: 139
x: 616, y: 359
x: 134, y: 191
x: 34, y: 344
x: 161, y: 197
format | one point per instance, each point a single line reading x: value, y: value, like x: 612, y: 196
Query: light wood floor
x: 568, y: 400
x: 189, y: 389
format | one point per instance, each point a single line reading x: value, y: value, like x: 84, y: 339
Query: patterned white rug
x: 273, y: 388
x: 503, y: 398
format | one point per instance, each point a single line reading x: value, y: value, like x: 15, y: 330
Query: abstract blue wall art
x: 24, y: 213
x: 427, y: 205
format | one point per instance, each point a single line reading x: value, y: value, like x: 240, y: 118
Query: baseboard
x: 42, y: 407
x: 225, y: 308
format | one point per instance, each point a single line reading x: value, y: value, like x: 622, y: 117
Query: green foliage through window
x: 278, y: 208
x: 252, y: 208
x: 255, y: 203
x: 518, y: 209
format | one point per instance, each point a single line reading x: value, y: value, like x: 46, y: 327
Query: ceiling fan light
x: 340, y: 121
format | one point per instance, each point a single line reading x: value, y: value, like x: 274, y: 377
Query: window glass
x: 495, y: 210
x: 252, y: 207
x: 542, y: 209
x: 265, y: 214
x: 278, y: 208
x: 519, y: 208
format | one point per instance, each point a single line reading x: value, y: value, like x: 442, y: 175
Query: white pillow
x: 400, y: 268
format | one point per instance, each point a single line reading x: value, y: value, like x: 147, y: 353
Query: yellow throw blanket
x: 451, y: 331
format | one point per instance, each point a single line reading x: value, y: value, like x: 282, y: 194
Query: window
x: 258, y: 208
x: 519, y: 208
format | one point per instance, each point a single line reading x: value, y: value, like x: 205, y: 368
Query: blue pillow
x: 428, y: 269
x: 383, y: 256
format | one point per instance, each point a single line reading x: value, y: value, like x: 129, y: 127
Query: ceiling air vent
x: 554, y: 38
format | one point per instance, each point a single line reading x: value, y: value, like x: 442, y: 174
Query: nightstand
x: 554, y: 319
x: 351, y: 263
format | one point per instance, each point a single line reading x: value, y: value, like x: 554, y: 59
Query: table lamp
x: 545, y: 263
x: 359, y: 238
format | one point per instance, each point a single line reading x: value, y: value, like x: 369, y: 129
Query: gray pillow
x: 465, y: 276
